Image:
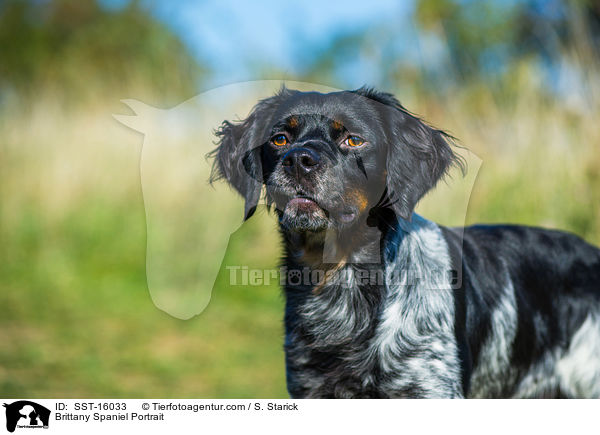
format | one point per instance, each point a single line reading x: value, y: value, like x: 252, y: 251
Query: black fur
x: 483, y: 311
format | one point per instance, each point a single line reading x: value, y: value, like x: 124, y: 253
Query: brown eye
x: 279, y: 140
x: 354, y: 141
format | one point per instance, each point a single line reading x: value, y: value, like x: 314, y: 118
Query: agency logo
x: 26, y: 414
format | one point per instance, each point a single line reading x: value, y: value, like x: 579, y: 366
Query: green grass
x: 77, y: 319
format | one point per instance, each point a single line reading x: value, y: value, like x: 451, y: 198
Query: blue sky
x: 236, y: 39
x: 235, y: 36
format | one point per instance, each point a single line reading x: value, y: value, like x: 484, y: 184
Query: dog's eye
x: 354, y: 141
x: 279, y: 140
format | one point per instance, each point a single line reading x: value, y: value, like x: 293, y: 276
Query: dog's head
x: 331, y: 160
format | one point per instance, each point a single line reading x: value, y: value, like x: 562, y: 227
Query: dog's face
x: 332, y: 160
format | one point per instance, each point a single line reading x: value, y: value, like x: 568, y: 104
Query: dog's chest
x: 392, y: 339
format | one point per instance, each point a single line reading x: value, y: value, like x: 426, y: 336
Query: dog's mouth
x: 301, y: 212
x: 303, y: 204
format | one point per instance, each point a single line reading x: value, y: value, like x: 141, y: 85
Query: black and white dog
x: 395, y: 305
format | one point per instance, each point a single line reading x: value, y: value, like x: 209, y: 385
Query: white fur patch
x: 494, y: 369
x: 415, y: 339
x: 579, y: 368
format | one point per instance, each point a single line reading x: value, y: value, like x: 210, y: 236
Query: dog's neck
x: 332, y: 248
x: 345, y: 307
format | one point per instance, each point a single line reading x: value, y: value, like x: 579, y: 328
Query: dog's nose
x: 300, y: 161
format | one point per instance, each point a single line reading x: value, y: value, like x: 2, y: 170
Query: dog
x: 394, y: 305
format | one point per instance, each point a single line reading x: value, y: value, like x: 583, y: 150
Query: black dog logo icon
x: 26, y: 414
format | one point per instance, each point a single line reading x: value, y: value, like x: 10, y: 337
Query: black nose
x: 300, y: 161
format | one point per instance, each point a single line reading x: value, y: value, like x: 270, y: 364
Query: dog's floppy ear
x: 238, y: 154
x: 418, y: 155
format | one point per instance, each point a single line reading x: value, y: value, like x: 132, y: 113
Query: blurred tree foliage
x: 450, y: 43
x: 82, y: 52
x: 481, y: 36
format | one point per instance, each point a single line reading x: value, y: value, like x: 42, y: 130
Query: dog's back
x: 532, y: 313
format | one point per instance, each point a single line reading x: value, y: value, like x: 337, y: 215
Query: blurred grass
x: 76, y: 318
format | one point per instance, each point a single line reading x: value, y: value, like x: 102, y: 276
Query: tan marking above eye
x: 337, y: 125
x: 293, y: 122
